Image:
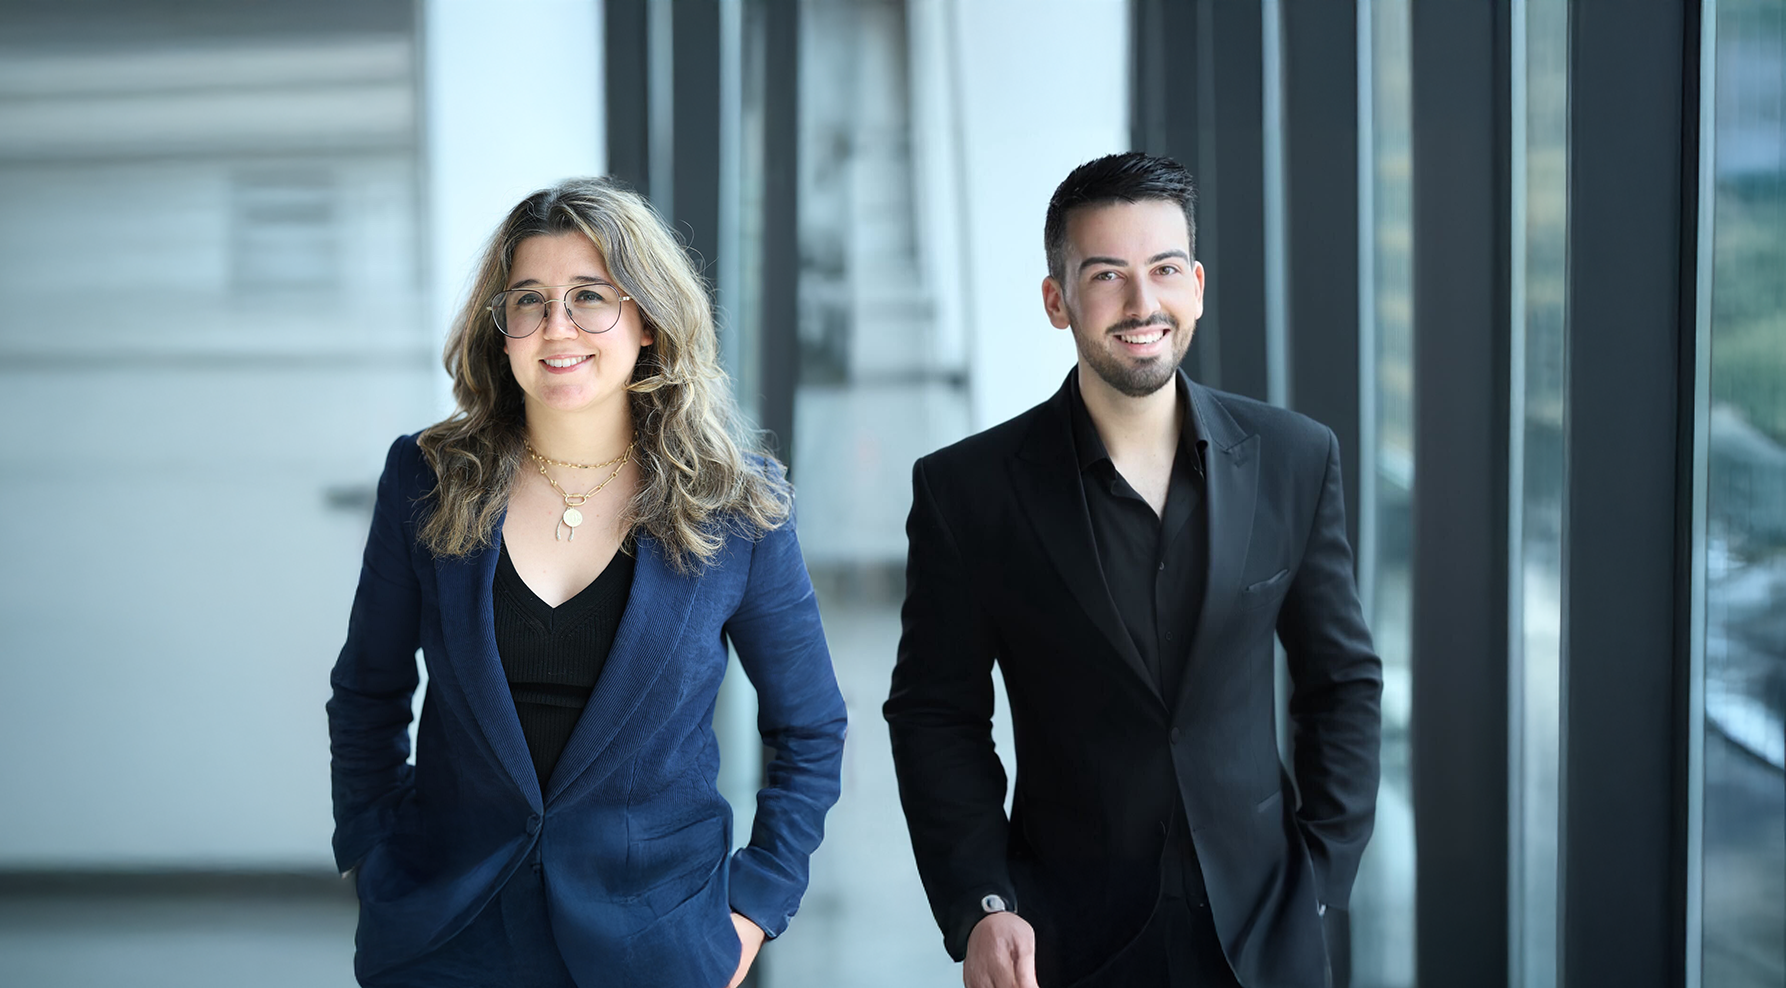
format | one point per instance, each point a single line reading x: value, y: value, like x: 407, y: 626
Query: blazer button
x: 533, y: 824
x: 1173, y: 735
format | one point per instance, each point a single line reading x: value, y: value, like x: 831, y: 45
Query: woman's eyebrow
x: 582, y: 279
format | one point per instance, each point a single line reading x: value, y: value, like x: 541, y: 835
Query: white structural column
x: 511, y: 102
x: 1026, y: 122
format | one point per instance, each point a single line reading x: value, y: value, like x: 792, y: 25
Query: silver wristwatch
x: 994, y: 903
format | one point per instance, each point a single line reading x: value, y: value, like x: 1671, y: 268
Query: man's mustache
x: 1130, y: 325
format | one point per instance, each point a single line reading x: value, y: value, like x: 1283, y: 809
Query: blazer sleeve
x: 801, y: 716
x: 375, y: 675
x: 939, y: 716
x: 1335, y: 701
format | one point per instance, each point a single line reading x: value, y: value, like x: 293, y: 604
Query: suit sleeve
x: 939, y: 716
x: 801, y: 716
x: 1336, y: 696
x: 375, y: 677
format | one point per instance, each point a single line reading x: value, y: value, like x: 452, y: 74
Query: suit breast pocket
x: 1270, y: 590
x: 1265, y: 594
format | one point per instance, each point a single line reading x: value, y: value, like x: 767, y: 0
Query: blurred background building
x: 1526, y: 257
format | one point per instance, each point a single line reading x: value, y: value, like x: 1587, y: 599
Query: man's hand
x: 750, y: 936
x: 1001, y: 953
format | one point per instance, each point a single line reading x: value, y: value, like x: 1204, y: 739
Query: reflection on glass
x: 1744, y: 850
x: 1383, y: 901
x: 875, y: 391
x: 1541, y: 122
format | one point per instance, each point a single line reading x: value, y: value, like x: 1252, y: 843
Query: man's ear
x: 1054, y: 302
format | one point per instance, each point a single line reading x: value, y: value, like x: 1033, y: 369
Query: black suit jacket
x: 1003, y: 567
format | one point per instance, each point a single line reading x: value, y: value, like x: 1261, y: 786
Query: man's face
x: 1130, y: 292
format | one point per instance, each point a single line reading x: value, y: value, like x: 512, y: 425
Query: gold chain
x: 572, y: 517
x: 578, y: 500
x: 535, y: 454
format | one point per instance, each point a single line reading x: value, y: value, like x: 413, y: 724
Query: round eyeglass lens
x: 520, y: 312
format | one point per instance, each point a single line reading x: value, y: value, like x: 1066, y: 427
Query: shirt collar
x: 1090, y: 446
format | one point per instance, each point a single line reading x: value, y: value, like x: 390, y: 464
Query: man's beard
x: 1141, y: 378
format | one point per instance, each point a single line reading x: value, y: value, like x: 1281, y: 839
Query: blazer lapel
x: 1231, y: 485
x: 467, y: 619
x: 1046, y: 475
x: 644, y: 646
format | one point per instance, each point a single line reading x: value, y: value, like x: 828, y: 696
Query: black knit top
x: 552, y: 656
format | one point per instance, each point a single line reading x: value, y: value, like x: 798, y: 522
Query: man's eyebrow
x: 1115, y: 262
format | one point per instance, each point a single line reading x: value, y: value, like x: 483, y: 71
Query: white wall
x: 549, y: 99
x: 1044, y: 88
x: 183, y: 504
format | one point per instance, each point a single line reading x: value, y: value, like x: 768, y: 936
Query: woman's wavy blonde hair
x: 702, y: 474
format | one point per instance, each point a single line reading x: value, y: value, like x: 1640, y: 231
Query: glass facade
x: 1743, y: 852
x: 1537, y: 398
x: 1383, y: 901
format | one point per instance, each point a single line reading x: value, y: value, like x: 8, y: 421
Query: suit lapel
x: 1046, y: 475
x: 656, y: 612
x: 1231, y: 485
x: 467, y: 620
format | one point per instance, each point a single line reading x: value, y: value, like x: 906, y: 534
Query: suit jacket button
x: 1173, y: 735
x: 533, y: 824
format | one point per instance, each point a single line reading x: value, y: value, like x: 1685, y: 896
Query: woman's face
x: 559, y: 366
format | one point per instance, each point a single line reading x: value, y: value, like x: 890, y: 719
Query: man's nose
x: 1142, y: 301
x: 557, y: 324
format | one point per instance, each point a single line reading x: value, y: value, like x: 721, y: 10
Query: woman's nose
x: 557, y: 322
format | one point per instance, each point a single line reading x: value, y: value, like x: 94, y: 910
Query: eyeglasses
x: 592, y: 308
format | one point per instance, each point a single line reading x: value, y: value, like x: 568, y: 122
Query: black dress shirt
x: 1155, y: 566
x: 552, y: 656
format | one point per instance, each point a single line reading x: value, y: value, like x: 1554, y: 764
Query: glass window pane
x: 1541, y: 123
x: 1744, y: 850
x: 1383, y: 900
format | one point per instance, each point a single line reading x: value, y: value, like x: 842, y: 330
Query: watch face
x: 993, y: 904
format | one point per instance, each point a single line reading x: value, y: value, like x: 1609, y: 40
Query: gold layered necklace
x: 566, y: 528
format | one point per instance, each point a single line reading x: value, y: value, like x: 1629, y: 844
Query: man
x: 1124, y: 552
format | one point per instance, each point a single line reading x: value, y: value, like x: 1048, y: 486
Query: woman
x: 571, y: 551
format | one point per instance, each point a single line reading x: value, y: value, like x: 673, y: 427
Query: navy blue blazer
x: 633, y: 835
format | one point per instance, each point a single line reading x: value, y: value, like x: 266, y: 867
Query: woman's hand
x: 750, y: 935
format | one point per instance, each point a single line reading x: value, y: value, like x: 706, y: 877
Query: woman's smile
x: 567, y: 363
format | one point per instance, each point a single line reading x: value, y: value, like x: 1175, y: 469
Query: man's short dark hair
x: 1132, y: 176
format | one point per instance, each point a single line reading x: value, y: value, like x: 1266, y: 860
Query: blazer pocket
x: 1265, y: 589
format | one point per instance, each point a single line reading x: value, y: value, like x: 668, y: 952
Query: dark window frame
x: 1632, y: 316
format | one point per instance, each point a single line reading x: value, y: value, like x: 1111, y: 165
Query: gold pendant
x: 566, y: 529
